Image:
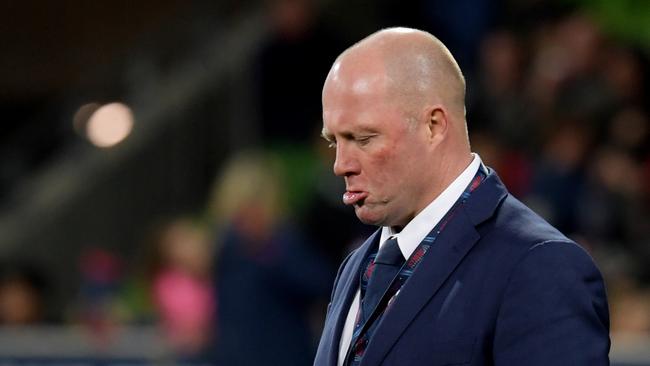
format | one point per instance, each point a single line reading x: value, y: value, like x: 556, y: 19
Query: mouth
x: 354, y: 197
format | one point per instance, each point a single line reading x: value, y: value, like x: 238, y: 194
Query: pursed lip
x: 351, y: 197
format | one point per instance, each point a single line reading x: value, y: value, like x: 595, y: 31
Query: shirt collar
x: 417, y: 229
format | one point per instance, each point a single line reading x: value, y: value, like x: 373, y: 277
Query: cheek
x: 403, y: 163
x: 387, y: 169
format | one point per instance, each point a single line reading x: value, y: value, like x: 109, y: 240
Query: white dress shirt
x: 410, y: 237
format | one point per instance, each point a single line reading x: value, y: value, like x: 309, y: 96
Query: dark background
x: 557, y: 104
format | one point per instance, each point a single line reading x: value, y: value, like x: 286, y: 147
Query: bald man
x: 459, y: 271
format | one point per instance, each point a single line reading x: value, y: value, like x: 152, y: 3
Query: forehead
x: 357, y: 74
x: 354, y: 84
x: 359, y: 102
x: 356, y: 93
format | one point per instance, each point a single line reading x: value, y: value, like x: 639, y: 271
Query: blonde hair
x: 248, y: 178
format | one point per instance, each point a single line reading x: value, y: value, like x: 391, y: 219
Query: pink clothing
x: 186, y: 305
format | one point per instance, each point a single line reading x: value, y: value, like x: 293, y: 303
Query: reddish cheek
x: 385, y: 148
x: 381, y: 157
x: 380, y: 169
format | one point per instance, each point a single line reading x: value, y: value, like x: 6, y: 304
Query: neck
x: 450, y: 167
x: 397, y: 229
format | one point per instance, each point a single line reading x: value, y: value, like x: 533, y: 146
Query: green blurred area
x: 627, y: 20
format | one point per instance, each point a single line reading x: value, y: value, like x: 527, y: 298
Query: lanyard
x: 411, y: 264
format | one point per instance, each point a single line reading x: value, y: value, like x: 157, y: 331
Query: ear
x: 437, y: 123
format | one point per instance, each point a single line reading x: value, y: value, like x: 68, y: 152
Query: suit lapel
x: 442, y: 258
x: 347, y: 286
x: 451, y: 246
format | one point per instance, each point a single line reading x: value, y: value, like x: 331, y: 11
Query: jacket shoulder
x: 521, y: 226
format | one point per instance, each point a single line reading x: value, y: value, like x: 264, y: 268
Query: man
x: 460, y: 272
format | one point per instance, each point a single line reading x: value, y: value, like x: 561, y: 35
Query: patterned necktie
x: 382, y: 269
x: 387, y: 265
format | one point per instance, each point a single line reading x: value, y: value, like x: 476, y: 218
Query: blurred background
x: 165, y: 196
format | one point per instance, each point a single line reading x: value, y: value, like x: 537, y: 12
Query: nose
x: 346, y: 163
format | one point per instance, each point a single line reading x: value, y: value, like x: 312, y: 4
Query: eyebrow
x: 326, y: 135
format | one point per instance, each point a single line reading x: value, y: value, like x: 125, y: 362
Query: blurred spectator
x: 182, y: 290
x: 22, y: 296
x: 630, y: 315
x: 102, y: 273
x: 625, y: 74
x: 499, y: 105
x: 559, y: 175
x: 565, y: 76
x: 267, y: 274
x: 629, y: 131
x: 290, y: 68
x: 505, y: 132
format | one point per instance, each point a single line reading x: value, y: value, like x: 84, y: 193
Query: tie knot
x: 390, y: 254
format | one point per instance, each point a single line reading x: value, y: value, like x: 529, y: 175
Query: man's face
x: 378, y: 152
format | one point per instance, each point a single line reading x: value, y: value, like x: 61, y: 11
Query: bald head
x: 413, y: 67
x: 392, y: 102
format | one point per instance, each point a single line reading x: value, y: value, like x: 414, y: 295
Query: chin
x: 369, y: 217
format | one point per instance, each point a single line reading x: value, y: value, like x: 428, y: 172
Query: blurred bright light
x: 109, y: 125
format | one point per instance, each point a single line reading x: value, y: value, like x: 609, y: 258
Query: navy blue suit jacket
x: 500, y: 286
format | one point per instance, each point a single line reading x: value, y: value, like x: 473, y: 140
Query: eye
x: 331, y: 144
x: 363, y: 140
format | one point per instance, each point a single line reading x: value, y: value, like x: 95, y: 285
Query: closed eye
x: 364, y: 140
x: 360, y: 140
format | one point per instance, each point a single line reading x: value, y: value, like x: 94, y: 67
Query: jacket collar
x: 441, y: 260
